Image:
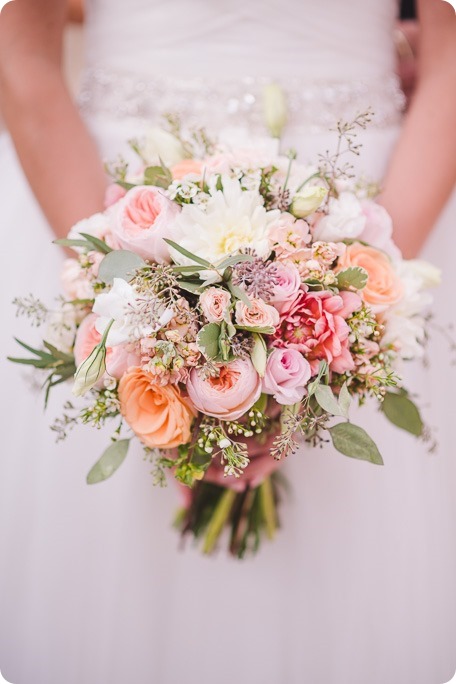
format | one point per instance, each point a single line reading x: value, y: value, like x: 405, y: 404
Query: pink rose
x: 314, y: 324
x: 288, y: 282
x: 258, y: 315
x: 229, y: 395
x: 118, y: 359
x: 378, y: 231
x: 113, y: 194
x: 286, y: 377
x: 142, y: 219
x: 214, y: 303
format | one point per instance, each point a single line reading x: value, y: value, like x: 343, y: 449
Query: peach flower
x: 258, y: 315
x: 383, y: 284
x: 229, y: 395
x: 142, y: 219
x: 160, y: 416
x: 187, y: 167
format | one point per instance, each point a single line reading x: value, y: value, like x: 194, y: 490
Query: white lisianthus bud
x: 275, y: 109
x: 90, y: 370
x: 161, y: 146
x: 307, y: 200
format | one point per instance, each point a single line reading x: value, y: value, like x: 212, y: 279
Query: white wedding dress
x: 360, y: 585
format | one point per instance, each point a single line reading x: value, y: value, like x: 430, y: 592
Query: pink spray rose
x: 229, y: 395
x: 214, y: 303
x: 314, y: 324
x: 288, y: 282
x: 142, y: 219
x: 258, y: 315
x: 286, y: 377
x: 118, y: 359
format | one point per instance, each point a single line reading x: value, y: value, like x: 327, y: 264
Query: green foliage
x: 353, y: 441
x: 402, y: 412
x: 111, y: 459
x: 120, y: 263
x: 193, y: 257
x: 159, y: 176
x: 60, y: 364
x: 208, y: 340
x: 328, y: 402
x: 354, y: 277
x: 89, y: 243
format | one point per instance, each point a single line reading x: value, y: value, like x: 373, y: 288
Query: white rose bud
x: 275, y: 109
x: 159, y: 145
x: 307, y: 200
x: 90, y: 370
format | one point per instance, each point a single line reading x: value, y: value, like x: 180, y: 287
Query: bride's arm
x: 56, y: 151
x: 422, y: 172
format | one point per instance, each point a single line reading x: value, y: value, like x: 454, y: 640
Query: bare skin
x: 422, y: 170
x: 57, y: 153
x: 64, y: 169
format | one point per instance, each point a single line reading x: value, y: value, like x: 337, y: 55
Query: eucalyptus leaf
x: 190, y: 287
x: 120, y: 263
x: 326, y: 399
x: 353, y: 277
x: 353, y: 441
x: 189, y: 255
x: 344, y: 400
x: 402, y: 412
x: 208, y: 340
x: 111, y: 459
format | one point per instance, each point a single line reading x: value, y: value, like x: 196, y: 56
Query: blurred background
x: 406, y: 38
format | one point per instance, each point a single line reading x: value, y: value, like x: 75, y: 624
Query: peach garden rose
x: 160, y: 416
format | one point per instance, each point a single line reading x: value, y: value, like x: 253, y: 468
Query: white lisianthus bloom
x: 231, y: 220
x: 345, y: 219
x: 307, y: 200
x: 405, y: 325
x: 160, y: 146
x: 128, y: 313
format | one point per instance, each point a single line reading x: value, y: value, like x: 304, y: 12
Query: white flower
x: 98, y: 225
x: 405, y: 325
x: 123, y: 306
x: 274, y: 108
x: 90, y: 370
x: 307, y: 200
x: 160, y: 146
x: 232, y: 219
x: 345, y: 219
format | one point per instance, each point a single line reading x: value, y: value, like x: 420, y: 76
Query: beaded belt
x: 214, y: 103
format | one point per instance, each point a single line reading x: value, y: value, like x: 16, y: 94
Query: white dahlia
x: 230, y: 221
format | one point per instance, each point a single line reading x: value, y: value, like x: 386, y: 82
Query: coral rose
x: 142, y: 219
x: 314, y: 324
x: 257, y: 315
x: 383, y: 284
x: 187, y: 167
x: 160, y: 416
x: 229, y: 395
x: 214, y: 303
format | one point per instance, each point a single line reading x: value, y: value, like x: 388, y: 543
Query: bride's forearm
x: 56, y: 151
x: 422, y: 172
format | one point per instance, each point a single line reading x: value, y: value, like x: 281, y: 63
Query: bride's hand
x: 422, y: 171
x: 57, y: 153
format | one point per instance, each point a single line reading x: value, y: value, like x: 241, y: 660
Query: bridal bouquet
x: 226, y: 303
